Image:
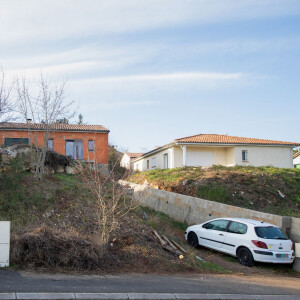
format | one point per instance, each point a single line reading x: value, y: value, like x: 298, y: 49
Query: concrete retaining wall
x: 295, y: 230
x: 192, y: 210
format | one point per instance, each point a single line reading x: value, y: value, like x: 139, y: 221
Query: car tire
x: 193, y: 239
x: 245, y: 257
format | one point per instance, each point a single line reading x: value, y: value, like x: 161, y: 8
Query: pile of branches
x: 52, y: 249
x: 54, y: 160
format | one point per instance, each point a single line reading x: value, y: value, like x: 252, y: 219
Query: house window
x: 50, y: 144
x: 148, y: 164
x: 16, y: 141
x: 91, y: 146
x: 244, y: 155
x: 153, y: 163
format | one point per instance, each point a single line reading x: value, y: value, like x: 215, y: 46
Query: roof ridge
x: 185, y: 137
x: 259, y: 140
x: 53, y: 126
x: 32, y: 123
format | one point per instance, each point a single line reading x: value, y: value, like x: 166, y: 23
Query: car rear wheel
x: 193, y: 239
x: 245, y: 257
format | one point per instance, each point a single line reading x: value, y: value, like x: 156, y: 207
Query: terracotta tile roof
x: 227, y: 139
x: 56, y: 127
x: 134, y: 155
x: 296, y: 154
x: 220, y: 139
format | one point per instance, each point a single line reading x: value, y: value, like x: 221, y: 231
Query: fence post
x: 4, y: 243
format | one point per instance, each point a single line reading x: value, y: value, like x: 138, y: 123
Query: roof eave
x: 55, y: 130
x: 154, y: 151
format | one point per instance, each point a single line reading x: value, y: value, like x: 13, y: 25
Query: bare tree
x: 6, y: 99
x: 111, y: 202
x: 43, y: 103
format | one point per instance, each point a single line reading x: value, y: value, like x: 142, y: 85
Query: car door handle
x: 221, y: 234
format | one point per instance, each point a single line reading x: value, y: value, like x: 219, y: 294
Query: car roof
x: 250, y: 221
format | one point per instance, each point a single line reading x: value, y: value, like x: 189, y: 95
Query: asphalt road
x: 11, y: 281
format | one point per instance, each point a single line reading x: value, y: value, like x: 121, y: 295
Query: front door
x: 78, y: 149
x: 74, y: 148
x: 213, y: 234
x: 70, y: 148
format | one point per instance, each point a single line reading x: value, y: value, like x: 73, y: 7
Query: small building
x: 296, y: 160
x: 82, y: 142
x: 127, y: 158
x: 213, y: 149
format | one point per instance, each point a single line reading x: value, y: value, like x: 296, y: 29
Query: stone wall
x: 192, y: 210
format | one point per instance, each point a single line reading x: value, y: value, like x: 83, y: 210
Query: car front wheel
x: 245, y: 257
x: 193, y: 239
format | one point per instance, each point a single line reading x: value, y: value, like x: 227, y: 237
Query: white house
x: 126, y: 160
x: 296, y: 160
x: 213, y: 149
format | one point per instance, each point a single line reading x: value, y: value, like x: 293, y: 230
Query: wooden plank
x: 162, y: 242
x: 180, y: 248
x: 170, y: 243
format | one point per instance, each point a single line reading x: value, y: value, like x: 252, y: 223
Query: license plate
x: 282, y: 255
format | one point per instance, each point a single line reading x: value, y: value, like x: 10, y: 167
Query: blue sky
x: 153, y: 71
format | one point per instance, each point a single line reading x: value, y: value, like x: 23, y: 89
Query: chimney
x: 28, y: 121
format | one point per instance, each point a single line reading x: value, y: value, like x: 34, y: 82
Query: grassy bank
x: 267, y: 189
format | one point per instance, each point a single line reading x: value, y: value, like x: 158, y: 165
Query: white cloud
x: 35, y: 20
x: 181, y: 76
x: 124, y: 104
x: 242, y: 46
x: 148, y: 89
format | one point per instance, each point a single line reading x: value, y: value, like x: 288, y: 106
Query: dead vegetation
x: 132, y: 248
x: 53, y: 249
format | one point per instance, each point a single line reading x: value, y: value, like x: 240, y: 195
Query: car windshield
x: 272, y: 233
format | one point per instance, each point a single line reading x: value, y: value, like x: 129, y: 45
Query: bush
x: 54, y: 160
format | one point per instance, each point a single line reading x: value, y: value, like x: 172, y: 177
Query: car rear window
x: 272, y: 233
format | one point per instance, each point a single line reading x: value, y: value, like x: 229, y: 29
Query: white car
x: 248, y: 240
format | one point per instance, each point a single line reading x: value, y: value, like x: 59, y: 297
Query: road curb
x: 141, y: 296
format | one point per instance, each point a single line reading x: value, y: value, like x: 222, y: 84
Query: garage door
x: 204, y: 159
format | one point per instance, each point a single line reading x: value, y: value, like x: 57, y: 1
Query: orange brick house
x: 83, y: 142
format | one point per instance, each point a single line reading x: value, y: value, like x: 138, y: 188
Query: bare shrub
x: 111, y: 201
